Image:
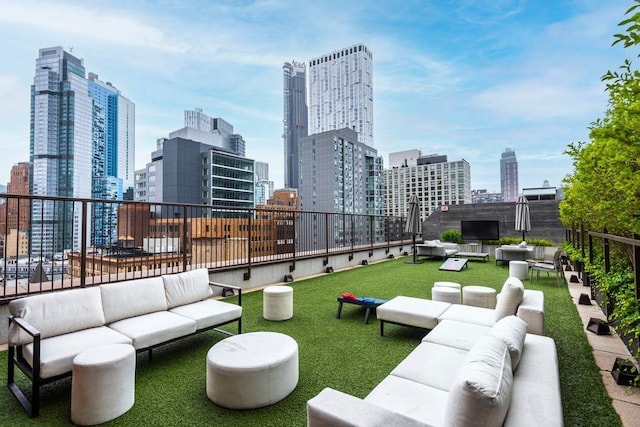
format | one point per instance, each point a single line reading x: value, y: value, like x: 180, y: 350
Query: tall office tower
x: 295, y: 119
x: 263, y: 187
x: 221, y: 129
x: 61, y: 148
x: 509, y: 175
x: 113, y: 156
x: 433, y: 179
x: 341, y: 92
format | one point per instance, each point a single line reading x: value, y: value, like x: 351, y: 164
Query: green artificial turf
x: 344, y: 354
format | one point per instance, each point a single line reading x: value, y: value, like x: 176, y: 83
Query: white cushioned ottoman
x: 410, y: 311
x: 252, y: 370
x: 103, y: 383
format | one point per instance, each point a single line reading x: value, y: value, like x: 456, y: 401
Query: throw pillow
x: 512, y: 331
x: 510, y: 298
x: 481, y: 392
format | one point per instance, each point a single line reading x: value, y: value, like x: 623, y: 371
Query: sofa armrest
x: 332, y: 408
x: 25, y: 326
x: 531, y: 310
x: 225, y: 286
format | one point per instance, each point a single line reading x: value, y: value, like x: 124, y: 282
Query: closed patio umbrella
x: 523, y: 222
x: 413, y: 221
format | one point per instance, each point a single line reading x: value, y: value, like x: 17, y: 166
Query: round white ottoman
x: 277, y: 303
x: 252, y: 370
x: 102, y: 383
x: 447, y: 285
x: 445, y: 294
x: 519, y: 269
x: 479, y: 296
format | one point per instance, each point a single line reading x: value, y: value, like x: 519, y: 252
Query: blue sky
x: 465, y: 78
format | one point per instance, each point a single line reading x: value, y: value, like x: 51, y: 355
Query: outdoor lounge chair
x: 555, y: 266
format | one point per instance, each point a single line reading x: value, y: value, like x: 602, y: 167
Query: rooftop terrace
x: 348, y: 355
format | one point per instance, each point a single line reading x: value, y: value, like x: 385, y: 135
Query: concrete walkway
x: 625, y: 399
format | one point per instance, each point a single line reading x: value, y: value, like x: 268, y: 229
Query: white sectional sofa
x: 459, y: 375
x: 527, y: 304
x: 436, y: 248
x: 476, y: 367
x: 47, y: 331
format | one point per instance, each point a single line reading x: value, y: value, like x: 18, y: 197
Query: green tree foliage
x: 604, y: 189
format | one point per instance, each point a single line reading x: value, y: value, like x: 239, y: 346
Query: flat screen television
x: 480, y: 230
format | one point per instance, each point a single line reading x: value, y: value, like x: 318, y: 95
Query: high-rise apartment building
x: 509, y: 175
x: 295, y: 119
x: 82, y: 145
x: 339, y: 174
x: 221, y: 130
x: 341, y: 92
x: 435, y: 183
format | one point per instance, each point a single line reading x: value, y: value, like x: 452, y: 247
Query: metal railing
x: 51, y: 243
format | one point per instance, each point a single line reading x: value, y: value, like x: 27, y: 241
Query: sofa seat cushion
x: 481, y: 393
x: 409, y: 398
x: 512, y: 331
x: 460, y: 335
x: 185, y: 288
x: 536, y: 399
x: 431, y: 364
x: 57, y: 313
x: 418, y: 312
x: 209, y: 312
x: 154, y: 328
x: 57, y: 353
x: 470, y: 314
x: 123, y: 300
x: 510, y: 298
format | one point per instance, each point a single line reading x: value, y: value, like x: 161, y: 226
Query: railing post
x: 587, y: 277
x: 609, y: 305
x: 184, y: 238
x: 636, y: 263
x: 83, y: 246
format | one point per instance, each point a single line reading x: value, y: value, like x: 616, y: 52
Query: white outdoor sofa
x: 474, y: 371
x: 459, y: 375
x: 436, y: 249
x: 47, y: 331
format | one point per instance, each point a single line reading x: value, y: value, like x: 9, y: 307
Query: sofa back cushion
x: 185, y: 288
x: 57, y: 313
x: 512, y: 331
x: 510, y: 298
x: 132, y: 298
x: 481, y: 392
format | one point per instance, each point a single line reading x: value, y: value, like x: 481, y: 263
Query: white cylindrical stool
x: 252, y: 370
x: 103, y: 383
x: 277, y: 303
x: 453, y: 285
x: 445, y: 294
x: 479, y: 296
x: 519, y: 269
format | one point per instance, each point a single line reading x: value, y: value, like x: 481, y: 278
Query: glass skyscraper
x: 509, y: 175
x: 295, y: 119
x: 82, y: 146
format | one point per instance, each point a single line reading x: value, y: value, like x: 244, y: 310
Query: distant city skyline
x: 462, y: 79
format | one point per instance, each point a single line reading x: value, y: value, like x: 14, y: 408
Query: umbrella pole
x: 523, y: 236
x: 414, y: 247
